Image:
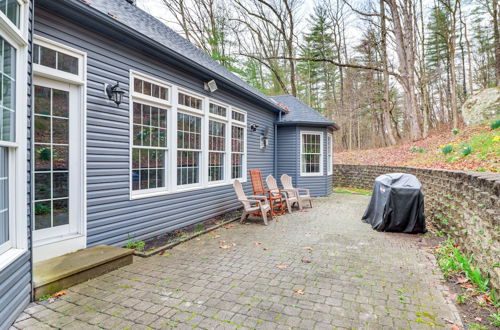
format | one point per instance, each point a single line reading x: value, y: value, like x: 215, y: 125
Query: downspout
x: 276, y: 146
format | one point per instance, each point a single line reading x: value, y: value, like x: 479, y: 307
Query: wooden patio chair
x: 290, y: 196
x: 252, y: 204
x: 302, y: 194
x: 275, y: 201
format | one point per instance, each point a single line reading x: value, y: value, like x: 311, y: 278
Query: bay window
x: 311, y: 153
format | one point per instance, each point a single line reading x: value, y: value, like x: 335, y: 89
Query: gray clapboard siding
x: 15, y: 288
x: 111, y: 215
x: 15, y: 279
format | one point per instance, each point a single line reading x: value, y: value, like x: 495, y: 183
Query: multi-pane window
x: 216, y: 147
x: 238, y: 116
x: 237, y: 151
x: 11, y: 9
x: 188, y: 149
x: 311, y: 153
x: 329, y: 153
x: 149, y: 146
x: 51, y: 157
x: 54, y: 59
x: 150, y: 89
x: 217, y: 110
x: 4, y: 196
x: 7, y: 90
x: 189, y: 101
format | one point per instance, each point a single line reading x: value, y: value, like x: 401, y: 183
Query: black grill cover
x: 397, y: 204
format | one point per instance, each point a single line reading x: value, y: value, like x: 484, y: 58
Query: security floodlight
x: 211, y: 86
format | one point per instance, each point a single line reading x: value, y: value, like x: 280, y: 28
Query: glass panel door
x: 51, y: 159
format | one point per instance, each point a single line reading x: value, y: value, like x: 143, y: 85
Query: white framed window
x: 181, y: 140
x: 150, y: 107
x: 189, y: 151
x: 311, y: 153
x: 329, y: 153
x: 58, y: 61
x: 238, y: 145
x: 13, y: 123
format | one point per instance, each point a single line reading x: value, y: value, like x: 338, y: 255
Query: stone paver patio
x: 350, y: 277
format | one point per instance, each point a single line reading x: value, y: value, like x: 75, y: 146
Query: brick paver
x: 349, y: 276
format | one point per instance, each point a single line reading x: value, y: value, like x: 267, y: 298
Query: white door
x: 56, y: 170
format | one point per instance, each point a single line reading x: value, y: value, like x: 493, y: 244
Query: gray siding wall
x: 15, y: 279
x: 111, y: 215
x: 318, y: 185
x: 288, y: 148
x: 15, y: 289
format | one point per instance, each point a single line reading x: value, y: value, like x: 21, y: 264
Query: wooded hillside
x: 386, y: 71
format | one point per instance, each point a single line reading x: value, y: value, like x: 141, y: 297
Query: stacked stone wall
x: 465, y: 205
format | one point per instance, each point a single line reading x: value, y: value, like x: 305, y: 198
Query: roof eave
x: 333, y: 125
x: 117, y: 27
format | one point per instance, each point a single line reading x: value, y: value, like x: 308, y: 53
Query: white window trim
x: 55, y: 74
x: 156, y: 102
x: 76, y: 239
x: 329, y: 137
x: 203, y: 152
x: 321, y: 159
x: 171, y: 160
x: 18, y: 238
x: 224, y: 121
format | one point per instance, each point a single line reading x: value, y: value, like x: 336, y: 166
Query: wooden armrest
x: 250, y: 200
x: 259, y: 197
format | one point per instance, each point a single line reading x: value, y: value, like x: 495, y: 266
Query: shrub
x: 447, y: 149
x: 495, y: 124
x: 413, y: 149
x: 455, y: 131
x: 421, y: 150
x: 466, y: 150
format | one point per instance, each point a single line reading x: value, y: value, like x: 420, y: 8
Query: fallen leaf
x: 306, y: 261
x: 299, y: 291
x: 462, y: 280
x: 283, y: 230
x: 308, y: 248
x: 60, y: 293
x: 265, y: 249
x: 455, y: 327
x: 229, y: 225
x: 478, y: 319
x: 282, y: 266
x: 257, y: 243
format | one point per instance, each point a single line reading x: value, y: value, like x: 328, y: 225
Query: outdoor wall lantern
x: 114, y: 93
x: 254, y: 127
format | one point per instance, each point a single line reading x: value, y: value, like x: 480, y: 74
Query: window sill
x: 311, y: 174
x: 180, y: 189
x: 9, y: 257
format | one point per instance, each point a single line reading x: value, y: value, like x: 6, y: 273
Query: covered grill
x: 397, y: 204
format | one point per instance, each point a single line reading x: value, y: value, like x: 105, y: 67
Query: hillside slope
x: 474, y: 148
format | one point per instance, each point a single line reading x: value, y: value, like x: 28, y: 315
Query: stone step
x: 62, y: 272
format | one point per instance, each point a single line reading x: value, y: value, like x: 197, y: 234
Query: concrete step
x: 62, y: 272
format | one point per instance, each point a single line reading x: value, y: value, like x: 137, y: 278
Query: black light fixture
x: 254, y: 127
x: 115, y: 93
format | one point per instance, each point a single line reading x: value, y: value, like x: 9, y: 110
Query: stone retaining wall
x: 464, y: 204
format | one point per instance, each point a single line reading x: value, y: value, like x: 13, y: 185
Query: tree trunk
x: 496, y: 34
x: 387, y: 123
